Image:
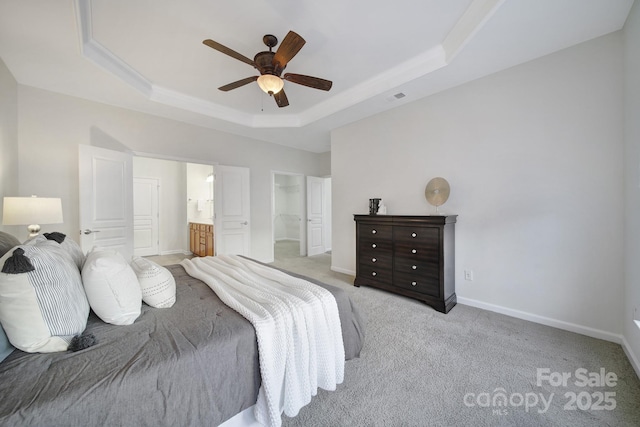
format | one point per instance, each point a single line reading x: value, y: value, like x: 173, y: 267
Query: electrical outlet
x: 468, y: 275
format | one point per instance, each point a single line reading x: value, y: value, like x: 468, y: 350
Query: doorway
x: 301, y: 215
x: 183, y: 195
x: 289, y: 236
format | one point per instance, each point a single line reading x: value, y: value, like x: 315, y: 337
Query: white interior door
x: 146, y: 219
x: 106, y: 199
x: 315, y: 216
x: 232, y: 211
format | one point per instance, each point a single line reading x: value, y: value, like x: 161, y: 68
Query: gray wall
x: 534, y: 156
x: 8, y: 136
x: 632, y: 181
x: 51, y: 126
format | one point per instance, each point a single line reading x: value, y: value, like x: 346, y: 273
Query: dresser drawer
x: 373, y: 274
x: 424, y: 236
x: 424, y: 284
x: 417, y: 252
x: 375, y: 245
x: 413, y: 267
x: 378, y: 231
x: 378, y: 259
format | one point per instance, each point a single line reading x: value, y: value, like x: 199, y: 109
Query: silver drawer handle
x: 373, y: 259
x: 374, y: 245
x: 414, y: 267
x: 414, y: 283
x: 413, y: 251
x: 413, y: 234
x: 373, y: 231
x: 374, y: 274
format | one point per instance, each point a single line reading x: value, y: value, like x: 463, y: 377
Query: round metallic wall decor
x: 437, y: 191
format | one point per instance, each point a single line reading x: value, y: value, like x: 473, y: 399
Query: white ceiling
x: 147, y: 55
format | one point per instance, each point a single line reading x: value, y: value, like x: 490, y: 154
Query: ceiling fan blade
x: 289, y: 47
x: 232, y: 53
x: 281, y: 99
x: 237, y: 84
x: 313, y: 82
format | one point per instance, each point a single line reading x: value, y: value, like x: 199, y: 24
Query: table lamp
x: 31, y: 211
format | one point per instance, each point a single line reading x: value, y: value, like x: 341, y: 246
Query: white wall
x: 632, y: 181
x: 534, y: 156
x: 172, y: 197
x: 8, y: 137
x: 51, y: 126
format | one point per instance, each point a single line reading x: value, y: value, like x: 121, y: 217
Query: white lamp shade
x: 270, y: 84
x: 31, y: 210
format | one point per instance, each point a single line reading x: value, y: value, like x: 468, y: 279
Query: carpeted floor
x: 469, y: 367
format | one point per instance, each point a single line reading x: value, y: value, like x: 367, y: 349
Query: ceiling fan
x: 270, y: 65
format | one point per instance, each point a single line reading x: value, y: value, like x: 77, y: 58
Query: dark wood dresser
x: 412, y: 256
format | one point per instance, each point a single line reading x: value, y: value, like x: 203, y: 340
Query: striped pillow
x: 69, y: 245
x: 43, y: 309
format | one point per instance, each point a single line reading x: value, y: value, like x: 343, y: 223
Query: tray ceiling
x: 149, y: 56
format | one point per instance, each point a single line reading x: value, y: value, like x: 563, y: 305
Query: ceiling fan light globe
x: 270, y: 84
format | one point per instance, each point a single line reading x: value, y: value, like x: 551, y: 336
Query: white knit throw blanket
x: 297, y: 324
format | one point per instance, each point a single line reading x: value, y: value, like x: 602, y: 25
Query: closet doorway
x: 289, y: 232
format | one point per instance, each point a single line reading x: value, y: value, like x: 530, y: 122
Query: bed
x: 193, y: 364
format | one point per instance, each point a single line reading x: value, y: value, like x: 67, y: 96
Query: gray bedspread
x: 195, y: 364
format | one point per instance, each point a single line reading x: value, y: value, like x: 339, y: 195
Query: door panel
x: 232, y: 210
x: 315, y: 216
x: 145, y: 216
x: 106, y: 199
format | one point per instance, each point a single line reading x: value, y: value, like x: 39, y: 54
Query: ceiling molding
x: 473, y: 19
x: 101, y: 56
x: 477, y: 14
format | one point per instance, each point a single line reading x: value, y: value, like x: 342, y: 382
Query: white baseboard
x: 283, y: 239
x: 176, y: 251
x: 343, y: 271
x: 633, y: 359
x: 560, y: 324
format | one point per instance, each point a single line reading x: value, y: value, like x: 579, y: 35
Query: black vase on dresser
x: 412, y: 256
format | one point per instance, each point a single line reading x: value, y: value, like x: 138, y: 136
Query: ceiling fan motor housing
x: 264, y: 63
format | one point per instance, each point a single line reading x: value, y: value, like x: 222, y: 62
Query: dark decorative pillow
x: 7, y: 241
x: 17, y: 263
x: 55, y: 236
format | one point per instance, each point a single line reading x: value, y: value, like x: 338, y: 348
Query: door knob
x: 87, y: 231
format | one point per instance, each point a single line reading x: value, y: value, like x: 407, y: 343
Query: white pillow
x: 112, y: 287
x: 157, y: 283
x: 43, y: 309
